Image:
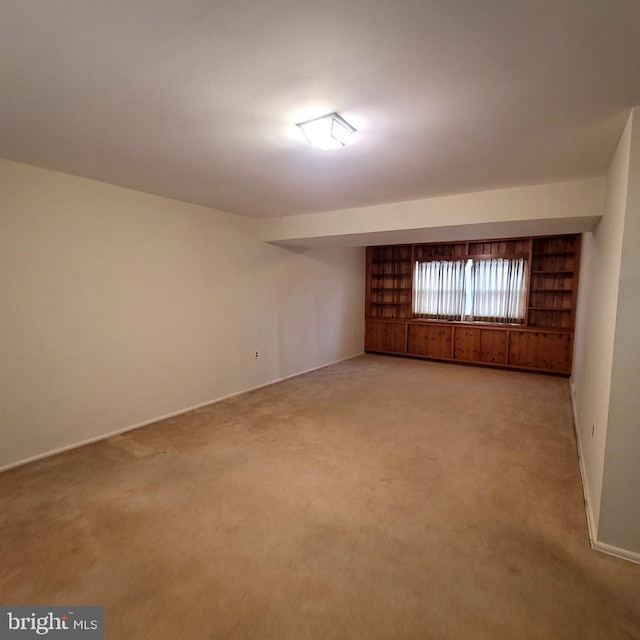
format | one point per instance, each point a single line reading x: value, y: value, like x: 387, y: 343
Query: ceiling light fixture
x: 328, y: 132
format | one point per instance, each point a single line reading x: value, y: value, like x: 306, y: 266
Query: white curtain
x: 498, y: 287
x: 439, y: 289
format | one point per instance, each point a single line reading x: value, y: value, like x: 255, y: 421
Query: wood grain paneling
x: 546, y: 351
x: 389, y: 275
x: 493, y: 346
x: 396, y: 337
x: 553, y: 282
x: 431, y: 341
x: 481, y: 345
x: 467, y: 344
x: 389, y: 337
x: 375, y: 336
x: 542, y: 342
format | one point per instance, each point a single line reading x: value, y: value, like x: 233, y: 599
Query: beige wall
x: 606, y: 366
x: 118, y: 307
x: 560, y: 207
x: 595, y: 327
x: 620, y: 505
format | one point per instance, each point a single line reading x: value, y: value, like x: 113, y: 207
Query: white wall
x: 595, y: 327
x: 620, y: 506
x: 118, y: 307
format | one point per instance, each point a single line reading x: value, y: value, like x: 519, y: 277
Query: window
x: 498, y: 288
x: 439, y: 289
x: 491, y: 290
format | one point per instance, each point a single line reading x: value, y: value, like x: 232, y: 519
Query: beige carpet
x: 378, y: 498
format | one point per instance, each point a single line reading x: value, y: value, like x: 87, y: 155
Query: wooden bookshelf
x: 553, y: 282
x: 543, y: 342
x: 390, y: 275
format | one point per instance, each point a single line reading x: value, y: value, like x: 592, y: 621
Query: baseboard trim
x: 173, y: 414
x: 618, y: 552
x: 603, y: 547
x: 583, y: 475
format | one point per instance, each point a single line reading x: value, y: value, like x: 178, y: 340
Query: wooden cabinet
x: 467, y: 344
x: 481, y: 345
x: 386, y: 337
x: 430, y: 340
x: 514, y: 348
x: 543, y: 342
x: 541, y: 350
x: 493, y: 346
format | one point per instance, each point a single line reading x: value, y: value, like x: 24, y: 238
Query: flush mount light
x: 328, y: 132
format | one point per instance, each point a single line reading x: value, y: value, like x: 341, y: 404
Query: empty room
x: 319, y: 320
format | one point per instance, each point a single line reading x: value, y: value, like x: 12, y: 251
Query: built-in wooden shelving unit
x: 390, y: 272
x: 542, y: 342
x: 552, y: 291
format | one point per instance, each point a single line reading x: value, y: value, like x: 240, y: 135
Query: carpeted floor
x: 377, y: 498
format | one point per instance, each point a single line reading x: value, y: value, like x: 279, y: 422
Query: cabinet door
x: 493, y: 346
x: 546, y: 351
x: 396, y: 337
x: 467, y: 344
x: 431, y: 341
x: 375, y: 336
x: 385, y: 336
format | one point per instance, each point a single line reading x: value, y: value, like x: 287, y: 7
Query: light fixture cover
x: 328, y: 132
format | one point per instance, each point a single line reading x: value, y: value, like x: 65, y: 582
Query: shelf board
x: 491, y: 256
x: 545, y: 328
x: 391, y: 275
x: 551, y: 290
x: 392, y: 304
x: 564, y: 273
x: 537, y: 254
x: 548, y: 309
x: 390, y: 288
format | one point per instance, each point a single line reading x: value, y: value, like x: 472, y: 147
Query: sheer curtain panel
x: 499, y: 287
x: 439, y: 289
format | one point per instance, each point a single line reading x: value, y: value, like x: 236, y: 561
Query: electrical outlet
x: 593, y: 430
x: 257, y: 354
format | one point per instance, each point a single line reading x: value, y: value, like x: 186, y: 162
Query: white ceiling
x: 197, y: 99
